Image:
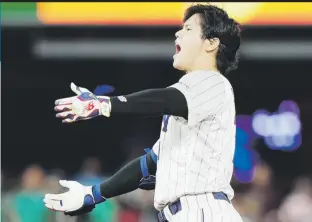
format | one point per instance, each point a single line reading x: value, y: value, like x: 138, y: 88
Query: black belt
x: 176, y: 206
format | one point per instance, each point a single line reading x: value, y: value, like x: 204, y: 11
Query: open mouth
x: 178, y: 48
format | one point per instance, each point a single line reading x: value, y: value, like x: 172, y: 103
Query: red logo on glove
x: 90, y: 106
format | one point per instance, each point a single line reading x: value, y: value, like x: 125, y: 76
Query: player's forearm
x: 152, y: 102
x: 127, y: 178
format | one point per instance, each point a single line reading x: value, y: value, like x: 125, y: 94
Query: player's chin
x: 178, y: 64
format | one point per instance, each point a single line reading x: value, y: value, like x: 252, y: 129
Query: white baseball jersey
x: 195, y: 156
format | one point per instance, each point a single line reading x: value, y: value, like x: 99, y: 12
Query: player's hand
x: 83, y: 106
x: 77, y: 200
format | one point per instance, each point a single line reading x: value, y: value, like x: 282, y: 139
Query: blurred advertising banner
x: 149, y: 13
x: 162, y: 13
x: 19, y: 13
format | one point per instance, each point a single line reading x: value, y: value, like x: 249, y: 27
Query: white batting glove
x: 83, y: 106
x: 77, y: 200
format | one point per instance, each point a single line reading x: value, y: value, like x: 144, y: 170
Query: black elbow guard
x: 148, y: 180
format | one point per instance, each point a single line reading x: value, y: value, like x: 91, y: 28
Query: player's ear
x: 211, y: 44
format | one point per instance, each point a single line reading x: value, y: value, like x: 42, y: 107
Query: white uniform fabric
x: 196, y: 156
x: 203, y: 208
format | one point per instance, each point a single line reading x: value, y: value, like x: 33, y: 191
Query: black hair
x: 216, y: 23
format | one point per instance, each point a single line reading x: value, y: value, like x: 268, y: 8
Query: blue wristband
x: 96, y: 191
x: 144, y: 168
x: 153, y: 154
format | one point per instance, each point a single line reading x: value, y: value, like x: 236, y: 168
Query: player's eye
x: 187, y: 28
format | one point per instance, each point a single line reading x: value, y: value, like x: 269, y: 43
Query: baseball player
x: 191, y: 164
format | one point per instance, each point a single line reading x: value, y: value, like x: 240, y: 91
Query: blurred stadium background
x: 129, y: 46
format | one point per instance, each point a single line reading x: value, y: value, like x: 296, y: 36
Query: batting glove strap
x: 96, y: 191
x: 81, y: 211
x: 105, y: 105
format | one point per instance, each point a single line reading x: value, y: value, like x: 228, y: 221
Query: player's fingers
x: 77, y: 89
x: 63, y: 101
x: 58, y: 207
x: 68, y: 183
x: 49, y: 206
x: 55, y: 205
x: 50, y: 201
x: 52, y: 197
x: 66, y: 107
x: 68, y: 120
x: 74, y: 118
x: 66, y: 114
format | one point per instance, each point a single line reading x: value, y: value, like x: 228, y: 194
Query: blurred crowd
x: 22, y: 198
x: 254, y: 201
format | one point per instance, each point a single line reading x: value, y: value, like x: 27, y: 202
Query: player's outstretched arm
x: 152, y: 102
x: 79, y: 199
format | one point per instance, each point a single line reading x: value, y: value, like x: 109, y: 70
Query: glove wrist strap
x: 105, y: 106
x: 96, y: 191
